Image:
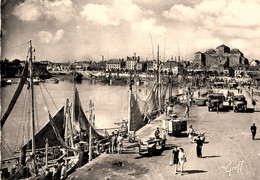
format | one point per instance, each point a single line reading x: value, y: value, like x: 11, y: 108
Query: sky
x: 69, y: 30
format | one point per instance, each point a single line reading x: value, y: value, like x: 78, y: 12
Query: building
x: 240, y: 70
x: 149, y: 66
x: 101, y: 65
x: 199, y: 59
x: 139, y: 66
x: 11, y: 68
x: 220, y: 57
x: 113, y: 65
x: 131, y: 62
x: 254, y: 62
x: 253, y: 70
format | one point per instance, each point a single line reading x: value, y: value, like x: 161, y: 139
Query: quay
x: 228, y: 152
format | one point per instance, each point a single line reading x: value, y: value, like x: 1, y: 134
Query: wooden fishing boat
x: 58, y: 133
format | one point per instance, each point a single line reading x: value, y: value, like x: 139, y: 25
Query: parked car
x: 240, y: 103
x: 215, y: 101
x: 233, y: 85
x: 201, y: 101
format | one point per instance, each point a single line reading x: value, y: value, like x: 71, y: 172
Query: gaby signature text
x: 232, y: 167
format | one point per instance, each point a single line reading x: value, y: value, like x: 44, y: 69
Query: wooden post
x: 252, y: 92
x: 46, y: 152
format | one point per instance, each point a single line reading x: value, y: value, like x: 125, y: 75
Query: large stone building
x: 221, y: 57
x: 131, y: 62
x: 113, y: 64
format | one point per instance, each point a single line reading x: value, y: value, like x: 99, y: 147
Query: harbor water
x: 110, y: 107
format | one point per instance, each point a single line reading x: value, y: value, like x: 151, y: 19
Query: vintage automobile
x: 240, y: 103
x: 201, y: 101
x: 150, y: 146
x: 233, y: 85
x: 205, y: 93
x: 219, y: 84
x: 215, y: 101
x: 174, y: 126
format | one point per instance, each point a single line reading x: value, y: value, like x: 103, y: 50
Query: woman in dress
x: 191, y: 133
x: 182, y: 159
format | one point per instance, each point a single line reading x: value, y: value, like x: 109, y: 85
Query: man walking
x: 199, y: 146
x: 253, y: 131
x: 175, y: 158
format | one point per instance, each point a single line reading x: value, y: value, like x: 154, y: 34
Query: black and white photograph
x: 130, y: 89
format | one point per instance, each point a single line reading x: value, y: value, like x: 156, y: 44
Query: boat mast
x: 91, y: 108
x: 158, y: 81
x: 170, y: 72
x: 32, y: 102
x: 129, y: 103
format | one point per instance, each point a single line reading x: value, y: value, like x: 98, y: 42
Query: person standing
x: 157, y: 133
x: 217, y: 107
x: 48, y: 174
x: 113, y: 143
x: 199, y: 142
x: 182, y: 159
x: 63, y: 171
x: 120, y: 143
x: 164, y: 137
x: 175, y: 158
x: 187, y: 111
x: 56, y: 173
x: 191, y: 133
x: 253, y: 131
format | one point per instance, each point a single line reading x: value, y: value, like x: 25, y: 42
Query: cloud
x: 238, y: 43
x: 215, y: 15
x: 113, y: 14
x: 99, y: 14
x: 33, y: 10
x: 48, y: 37
x: 58, y: 36
x: 149, y: 25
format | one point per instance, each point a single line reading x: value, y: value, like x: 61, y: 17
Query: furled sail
x: 48, y: 131
x: 58, y: 135
x: 16, y: 95
x: 81, y: 123
x: 148, y: 105
x: 136, y: 121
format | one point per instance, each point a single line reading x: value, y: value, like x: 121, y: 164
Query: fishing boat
x: 61, y: 139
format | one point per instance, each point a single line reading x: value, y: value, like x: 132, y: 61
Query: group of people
x: 199, y: 140
x: 157, y: 133
x: 58, y: 173
x: 178, y: 157
x: 116, y: 143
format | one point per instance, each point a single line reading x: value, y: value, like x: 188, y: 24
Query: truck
x: 150, y: 146
x: 239, y: 103
x: 173, y: 125
x: 215, y: 101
